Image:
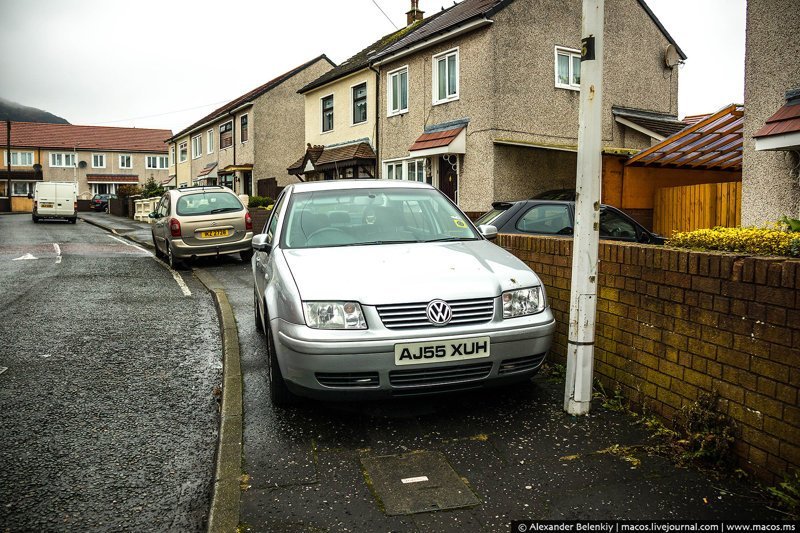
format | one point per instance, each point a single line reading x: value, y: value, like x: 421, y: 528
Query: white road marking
x: 3, y: 369
x: 25, y: 257
x: 178, y: 278
x: 415, y: 479
x: 58, y: 252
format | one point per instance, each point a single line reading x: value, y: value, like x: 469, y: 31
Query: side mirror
x: 153, y: 215
x: 488, y: 231
x: 261, y: 243
x: 565, y: 231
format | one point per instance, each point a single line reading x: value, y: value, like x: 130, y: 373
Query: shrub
x: 755, y: 241
x: 260, y: 201
x: 152, y: 188
x: 124, y: 191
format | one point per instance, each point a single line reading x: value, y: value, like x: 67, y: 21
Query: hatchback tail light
x: 35, y: 205
x: 174, y: 227
x: 75, y: 205
x: 248, y: 222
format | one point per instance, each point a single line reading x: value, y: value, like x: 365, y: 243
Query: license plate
x: 214, y: 233
x: 47, y: 204
x: 415, y: 353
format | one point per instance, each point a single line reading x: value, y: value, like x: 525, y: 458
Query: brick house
x: 246, y: 139
x: 97, y: 158
x: 482, y: 100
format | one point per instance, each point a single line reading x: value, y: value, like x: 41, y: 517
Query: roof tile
x: 72, y: 137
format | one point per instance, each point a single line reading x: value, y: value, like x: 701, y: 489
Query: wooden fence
x: 697, y: 206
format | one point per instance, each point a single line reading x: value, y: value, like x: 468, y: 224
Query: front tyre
x: 257, y: 314
x: 279, y: 393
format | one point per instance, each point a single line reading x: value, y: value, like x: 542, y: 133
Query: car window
x: 614, y: 226
x: 272, y: 226
x: 207, y: 203
x: 351, y: 217
x: 548, y: 219
x: 488, y: 218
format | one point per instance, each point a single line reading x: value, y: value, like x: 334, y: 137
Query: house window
x: 327, y: 113
x: 197, y: 147
x: 243, y: 130
x: 19, y: 159
x: 125, y: 161
x: 226, y: 135
x: 183, y: 151
x: 398, y: 91
x: 62, y: 159
x: 156, y: 162
x: 445, y: 77
x: 394, y: 171
x: 210, y: 141
x: 98, y: 160
x: 22, y: 188
x: 104, y: 188
x: 568, y: 68
x: 416, y: 170
x: 360, y: 103
x: 172, y: 155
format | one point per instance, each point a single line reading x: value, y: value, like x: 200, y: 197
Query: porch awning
x: 230, y: 169
x: 169, y: 181
x: 111, y: 178
x: 447, y: 141
x: 781, y: 131
x: 346, y: 156
x: 208, y: 169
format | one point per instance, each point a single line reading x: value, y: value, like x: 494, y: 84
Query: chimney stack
x: 414, y: 14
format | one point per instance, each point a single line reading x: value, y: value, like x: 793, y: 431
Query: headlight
x: 523, y: 302
x: 334, y: 315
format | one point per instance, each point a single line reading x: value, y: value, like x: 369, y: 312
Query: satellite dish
x: 82, y: 164
x: 671, y: 57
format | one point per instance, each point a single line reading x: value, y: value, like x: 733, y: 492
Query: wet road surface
x: 514, y: 449
x: 108, y: 360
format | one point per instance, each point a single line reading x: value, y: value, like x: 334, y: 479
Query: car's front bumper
x: 362, y: 365
x: 181, y: 250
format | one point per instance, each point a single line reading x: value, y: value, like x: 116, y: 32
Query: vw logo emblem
x: 213, y: 223
x: 439, y: 312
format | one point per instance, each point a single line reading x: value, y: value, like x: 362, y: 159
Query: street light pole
x: 583, y: 298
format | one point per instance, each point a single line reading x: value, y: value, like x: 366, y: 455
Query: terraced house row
x: 479, y: 99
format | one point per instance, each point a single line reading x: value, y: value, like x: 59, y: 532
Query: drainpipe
x: 377, y: 117
x: 8, y: 160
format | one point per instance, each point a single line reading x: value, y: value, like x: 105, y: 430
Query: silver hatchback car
x: 378, y: 288
x: 201, y: 221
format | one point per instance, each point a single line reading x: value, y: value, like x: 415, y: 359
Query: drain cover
x: 417, y: 482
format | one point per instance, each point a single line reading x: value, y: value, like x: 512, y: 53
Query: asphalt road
x: 108, y: 360
x: 313, y: 467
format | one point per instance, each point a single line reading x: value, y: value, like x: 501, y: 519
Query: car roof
x: 201, y: 188
x: 357, y: 184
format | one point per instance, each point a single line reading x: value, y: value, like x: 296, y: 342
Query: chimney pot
x: 414, y: 14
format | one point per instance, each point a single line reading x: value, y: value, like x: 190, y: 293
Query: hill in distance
x: 13, y: 111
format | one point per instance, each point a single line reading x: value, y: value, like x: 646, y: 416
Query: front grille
x: 427, y: 377
x: 401, y: 316
x: 520, y: 364
x: 348, y: 380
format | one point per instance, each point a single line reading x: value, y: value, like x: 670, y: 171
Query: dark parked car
x: 557, y: 217
x: 99, y: 202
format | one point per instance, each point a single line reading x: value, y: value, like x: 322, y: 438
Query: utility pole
x: 583, y: 298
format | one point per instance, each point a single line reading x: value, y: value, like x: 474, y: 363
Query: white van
x: 53, y: 199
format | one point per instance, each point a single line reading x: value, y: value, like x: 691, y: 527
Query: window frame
x: 393, y: 165
x: 322, y: 113
x: 354, y: 101
x: 160, y: 162
x: 244, y: 128
x: 183, y: 151
x: 197, y: 146
x: 172, y: 155
x: 130, y: 161
x: 435, y: 100
x: 63, y: 156
x: 390, y: 112
x: 229, y: 128
x: 416, y: 163
x: 571, y: 53
x: 103, y: 165
x: 18, y: 155
x: 210, y: 141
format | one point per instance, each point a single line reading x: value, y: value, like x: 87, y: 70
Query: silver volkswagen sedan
x: 379, y: 288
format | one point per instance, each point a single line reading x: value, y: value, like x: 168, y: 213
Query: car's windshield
x: 353, y: 217
x: 207, y: 203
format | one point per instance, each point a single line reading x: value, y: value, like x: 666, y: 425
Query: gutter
x: 474, y: 25
x: 207, y: 123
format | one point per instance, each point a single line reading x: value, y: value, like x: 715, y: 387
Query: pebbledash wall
x: 672, y: 324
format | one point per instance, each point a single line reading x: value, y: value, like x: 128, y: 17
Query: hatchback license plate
x: 214, y: 233
x: 415, y: 353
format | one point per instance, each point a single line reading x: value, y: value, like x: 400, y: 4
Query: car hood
x: 405, y: 273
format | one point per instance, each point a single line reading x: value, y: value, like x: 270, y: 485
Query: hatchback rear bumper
x: 181, y: 250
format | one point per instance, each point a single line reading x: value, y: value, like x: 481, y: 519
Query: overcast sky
x: 166, y: 63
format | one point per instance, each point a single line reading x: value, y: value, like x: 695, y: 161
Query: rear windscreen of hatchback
x: 207, y: 203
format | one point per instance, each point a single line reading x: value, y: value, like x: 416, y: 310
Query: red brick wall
x: 673, y: 323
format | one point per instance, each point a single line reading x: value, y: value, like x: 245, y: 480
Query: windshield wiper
x: 223, y: 210
x: 368, y: 243
x: 452, y: 239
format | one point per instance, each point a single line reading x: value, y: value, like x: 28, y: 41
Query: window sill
x: 569, y: 88
x: 354, y: 124
x: 445, y: 101
x: 397, y: 114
